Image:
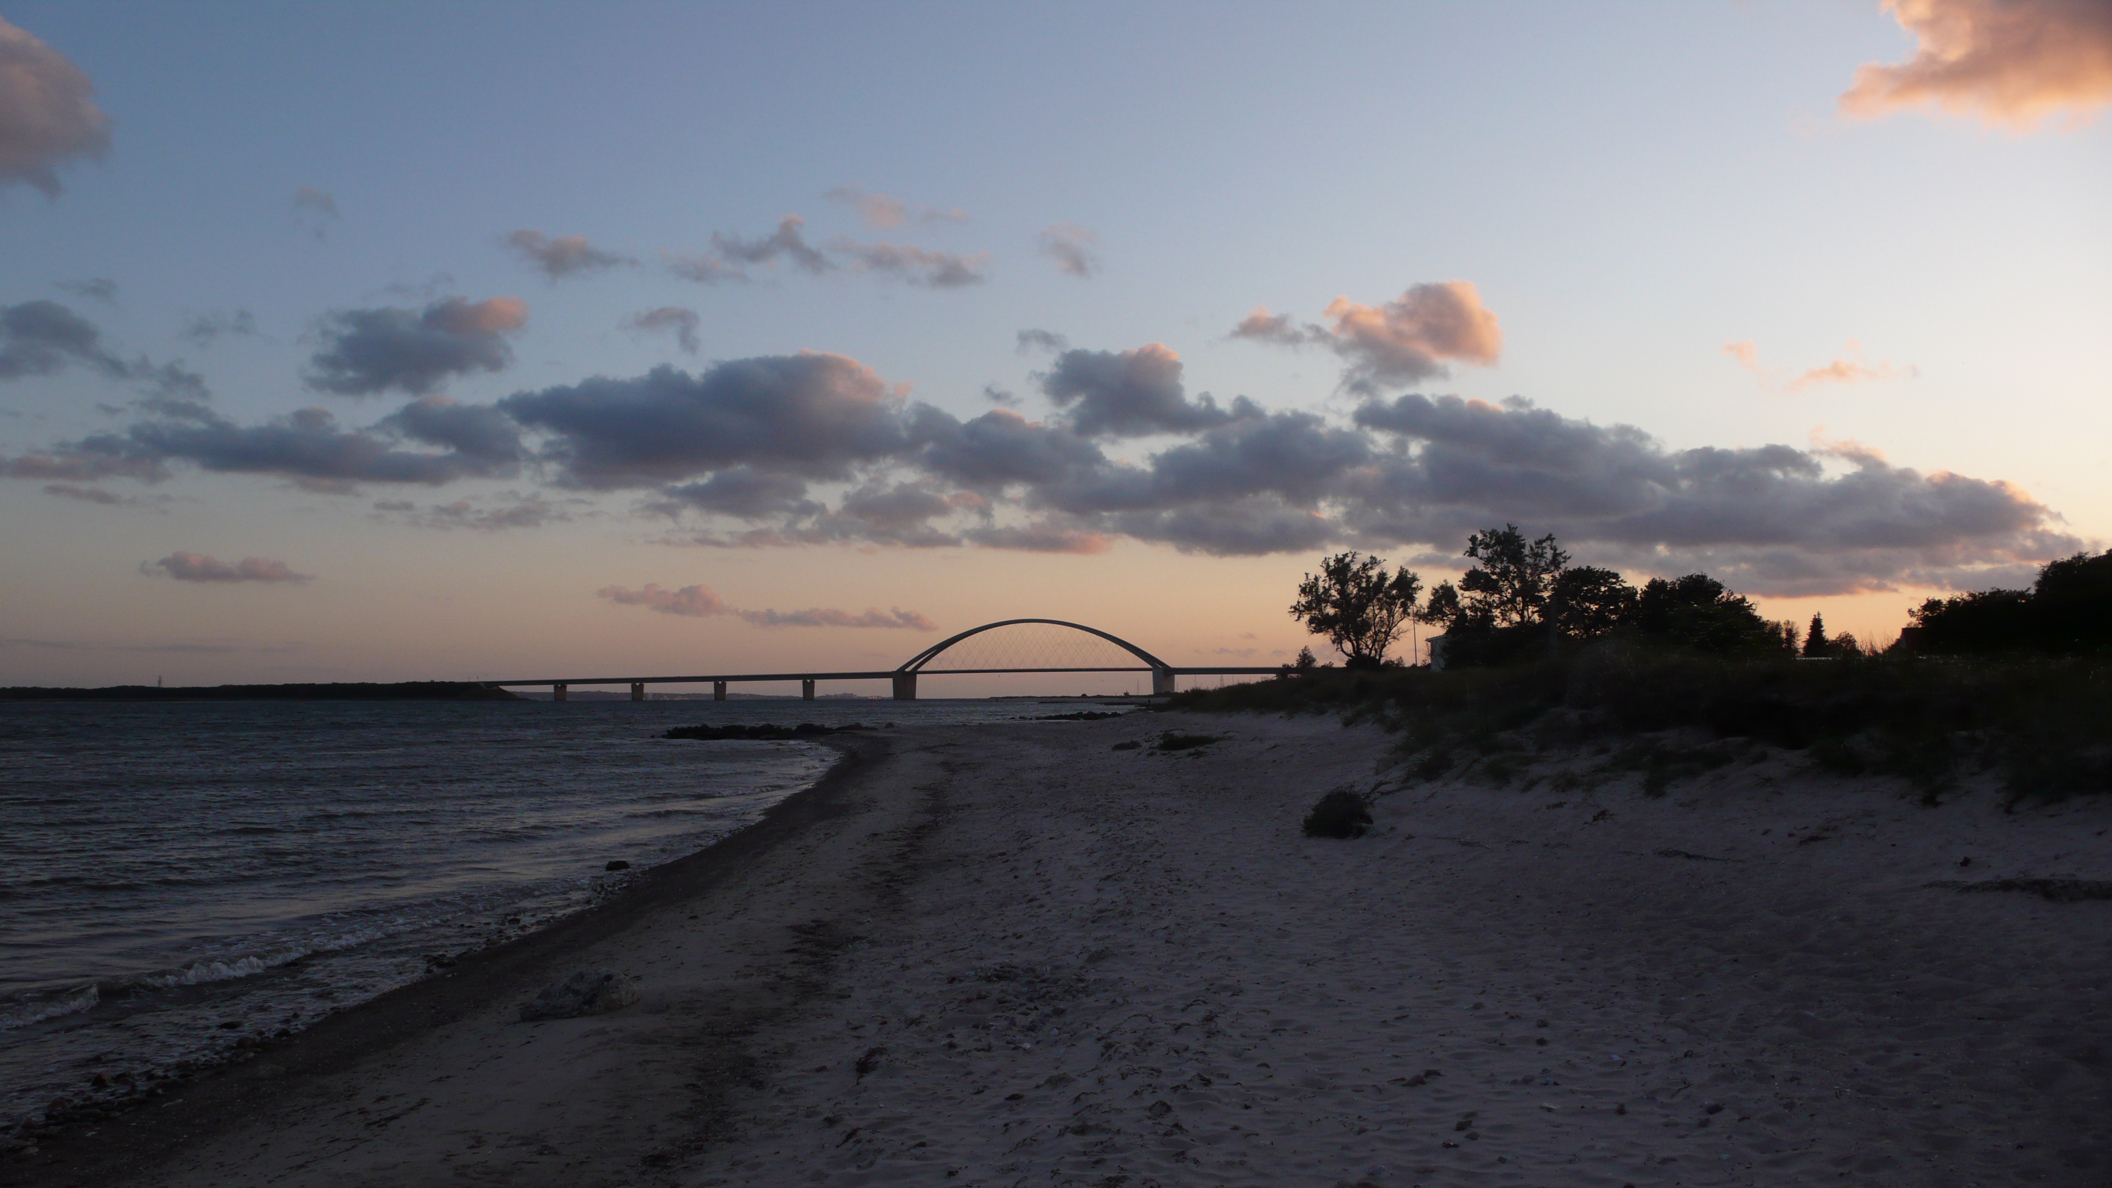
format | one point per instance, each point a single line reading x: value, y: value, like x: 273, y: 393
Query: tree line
x: 1522, y: 598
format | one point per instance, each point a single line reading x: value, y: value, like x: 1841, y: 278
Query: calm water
x: 179, y: 879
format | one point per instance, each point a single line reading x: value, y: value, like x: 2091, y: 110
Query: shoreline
x: 151, y: 1131
x: 999, y: 953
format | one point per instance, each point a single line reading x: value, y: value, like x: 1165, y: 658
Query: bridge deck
x: 882, y: 675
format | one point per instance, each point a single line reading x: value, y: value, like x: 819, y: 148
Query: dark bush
x: 1172, y: 741
x: 1340, y: 813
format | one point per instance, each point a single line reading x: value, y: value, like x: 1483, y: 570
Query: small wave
x: 79, y: 1002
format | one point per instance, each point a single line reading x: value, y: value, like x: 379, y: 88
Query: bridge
x: 1035, y: 657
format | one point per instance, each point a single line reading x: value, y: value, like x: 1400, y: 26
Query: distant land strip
x: 335, y: 691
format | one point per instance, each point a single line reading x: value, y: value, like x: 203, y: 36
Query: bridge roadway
x: 905, y: 683
x: 904, y: 678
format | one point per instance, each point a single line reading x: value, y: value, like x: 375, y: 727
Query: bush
x: 1340, y: 813
x: 2037, y: 723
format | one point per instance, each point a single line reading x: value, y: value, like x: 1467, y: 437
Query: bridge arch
x: 905, y: 677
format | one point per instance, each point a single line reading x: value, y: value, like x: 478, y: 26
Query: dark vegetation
x: 2017, y: 683
x: 2042, y: 726
x: 1341, y: 813
x: 2067, y: 612
x: 765, y: 732
x: 1176, y: 741
x: 344, y: 691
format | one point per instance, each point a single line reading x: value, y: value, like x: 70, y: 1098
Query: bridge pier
x: 905, y: 686
x: 806, y: 689
x: 718, y: 690
x: 1162, y: 682
x: 637, y: 690
x: 557, y: 692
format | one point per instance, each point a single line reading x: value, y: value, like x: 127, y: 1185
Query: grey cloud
x: 787, y: 242
x: 1242, y: 528
x: 825, y: 617
x: 1072, y: 249
x: 563, y: 255
x: 477, y: 431
x: 998, y: 448
x: 46, y: 115
x: 1129, y: 394
x: 1263, y: 326
x: 1464, y: 464
x: 809, y: 414
x: 369, y: 351
x: 701, y: 602
x: 98, y: 495
x: 200, y: 567
x: 1039, y: 536
x: 683, y: 322
x: 95, y: 288
x: 44, y: 338
x: 205, y: 328
x: 744, y: 492
x: 310, y: 448
x: 515, y: 512
x: 91, y: 460
x: 914, y: 265
x: 1041, y: 340
x: 999, y: 395
x: 882, y: 211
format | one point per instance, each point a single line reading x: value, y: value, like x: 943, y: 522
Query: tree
x: 1588, y: 601
x: 1815, y: 641
x: 1696, y: 612
x: 1512, y: 577
x: 1357, y: 605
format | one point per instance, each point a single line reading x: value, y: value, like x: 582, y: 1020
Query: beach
x: 1013, y: 954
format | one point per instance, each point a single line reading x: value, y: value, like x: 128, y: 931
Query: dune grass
x: 2045, y: 725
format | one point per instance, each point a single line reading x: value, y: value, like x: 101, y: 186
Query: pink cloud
x: 1852, y: 370
x: 199, y: 567
x: 694, y: 602
x: 2010, y: 62
x: 46, y: 117
x: 1402, y: 341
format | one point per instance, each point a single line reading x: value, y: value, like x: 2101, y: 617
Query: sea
x: 182, y: 881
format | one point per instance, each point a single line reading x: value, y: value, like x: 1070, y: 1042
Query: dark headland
x: 334, y: 691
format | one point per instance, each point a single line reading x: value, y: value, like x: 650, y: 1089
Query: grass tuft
x: 1341, y: 813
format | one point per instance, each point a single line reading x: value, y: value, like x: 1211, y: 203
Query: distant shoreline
x: 338, y: 691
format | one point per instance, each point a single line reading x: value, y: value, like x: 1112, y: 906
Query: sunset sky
x: 465, y: 341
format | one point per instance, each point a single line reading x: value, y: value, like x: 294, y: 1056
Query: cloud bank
x: 2004, y: 62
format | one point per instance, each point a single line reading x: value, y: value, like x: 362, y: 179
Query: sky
x: 496, y: 341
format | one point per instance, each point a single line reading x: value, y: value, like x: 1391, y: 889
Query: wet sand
x: 1012, y: 955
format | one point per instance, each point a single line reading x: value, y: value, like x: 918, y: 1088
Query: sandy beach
x: 1015, y: 955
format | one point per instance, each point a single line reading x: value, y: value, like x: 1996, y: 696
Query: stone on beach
x: 587, y: 992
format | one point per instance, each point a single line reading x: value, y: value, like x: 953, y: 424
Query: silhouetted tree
x: 1696, y: 612
x: 2067, y: 611
x: 1586, y: 601
x: 1815, y: 641
x: 1512, y: 577
x: 1357, y: 605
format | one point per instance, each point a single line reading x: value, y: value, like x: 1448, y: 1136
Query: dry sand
x: 1011, y: 955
